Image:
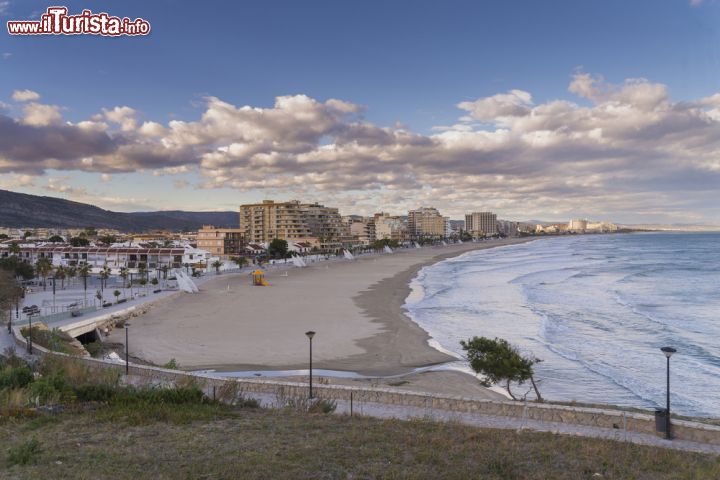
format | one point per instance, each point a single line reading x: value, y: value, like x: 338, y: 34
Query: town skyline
x: 364, y: 135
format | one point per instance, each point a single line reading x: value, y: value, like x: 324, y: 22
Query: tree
x: 500, y: 362
x: 124, y: 275
x: 43, y: 268
x: 4, y: 236
x: 28, y: 234
x: 117, y: 295
x: 108, y: 239
x: 216, y: 265
x: 278, y: 248
x: 71, y: 273
x: 84, y: 272
x: 14, y: 248
x: 79, y: 242
x: 55, y: 239
x: 61, y: 274
x: 17, y: 267
x: 240, y: 261
x: 10, y: 292
x: 104, y: 275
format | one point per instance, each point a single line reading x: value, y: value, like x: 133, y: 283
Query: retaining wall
x: 593, y: 417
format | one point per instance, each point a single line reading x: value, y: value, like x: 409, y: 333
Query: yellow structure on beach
x: 259, y: 279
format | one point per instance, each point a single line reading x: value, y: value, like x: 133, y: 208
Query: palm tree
x: 216, y: 265
x: 240, y: 261
x: 164, y: 269
x: 84, y: 272
x: 14, y: 248
x: 61, y: 274
x: 124, y: 275
x: 43, y: 268
x: 71, y: 273
x: 142, y: 270
x: 104, y: 275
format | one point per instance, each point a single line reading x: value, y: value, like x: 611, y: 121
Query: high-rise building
x: 292, y: 221
x: 481, y: 223
x: 266, y: 221
x: 426, y: 222
x: 221, y: 242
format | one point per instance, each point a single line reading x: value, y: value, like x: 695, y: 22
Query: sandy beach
x: 354, y: 306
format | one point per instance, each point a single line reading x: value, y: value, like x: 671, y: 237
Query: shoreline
x: 385, y: 341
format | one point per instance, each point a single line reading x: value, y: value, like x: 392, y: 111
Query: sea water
x: 595, y: 308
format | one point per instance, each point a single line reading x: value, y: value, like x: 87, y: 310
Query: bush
x: 94, y: 348
x: 95, y: 393
x: 171, y: 365
x: 23, y: 453
x: 322, y: 406
x: 15, y: 377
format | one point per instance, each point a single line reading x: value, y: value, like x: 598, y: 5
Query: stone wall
x: 593, y: 417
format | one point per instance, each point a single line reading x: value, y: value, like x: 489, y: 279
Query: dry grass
x: 217, y: 442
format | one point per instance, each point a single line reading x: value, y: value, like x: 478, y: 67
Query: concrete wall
x: 593, y: 417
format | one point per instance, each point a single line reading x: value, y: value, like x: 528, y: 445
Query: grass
x: 54, y: 340
x: 214, y: 441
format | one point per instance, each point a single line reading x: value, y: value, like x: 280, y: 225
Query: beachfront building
x: 115, y: 257
x: 389, y: 227
x: 578, y: 225
x: 508, y: 228
x: 325, y: 224
x: 602, y: 227
x: 426, y: 222
x: 361, y: 229
x: 266, y: 221
x: 480, y: 224
x: 220, y: 242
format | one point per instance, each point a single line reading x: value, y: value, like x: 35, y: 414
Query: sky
x: 603, y: 109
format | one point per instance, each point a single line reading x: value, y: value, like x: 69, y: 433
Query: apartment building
x: 426, y: 222
x: 292, y: 221
x: 220, y: 242
x: 113, y: 257
x: 266, y: 221
x: 389, y: 227
x: 481, y: 223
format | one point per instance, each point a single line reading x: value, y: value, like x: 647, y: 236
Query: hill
x: 23, y: 210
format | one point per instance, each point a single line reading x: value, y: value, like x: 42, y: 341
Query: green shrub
x: 171, y: 365
x: 23, y: 453
x: 95, y: 393
x: 94, y: 348
x: 322, y: 406
x: 15, y: 377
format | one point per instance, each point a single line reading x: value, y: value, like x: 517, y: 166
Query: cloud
x: 6, y: 55
x: 24, y: 95
x: 4, y: 4
x: 41, y: 115
x: 696, y: 3
x: 623, y: 149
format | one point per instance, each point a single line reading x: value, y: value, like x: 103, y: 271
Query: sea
x: 595, y: 308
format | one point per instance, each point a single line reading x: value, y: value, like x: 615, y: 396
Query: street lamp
x: 668, y: 351
x: 29, y: 343
x: 127, y: 350
x: 310, y: 335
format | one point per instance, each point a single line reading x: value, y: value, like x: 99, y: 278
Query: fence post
x: 351, y: 403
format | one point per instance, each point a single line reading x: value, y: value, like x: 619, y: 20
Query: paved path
x: 379, y: 410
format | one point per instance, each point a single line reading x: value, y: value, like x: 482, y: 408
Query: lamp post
x: 668, y: 351
x: 310, y: 335
x: 29, y: 345
x: 127, y: 350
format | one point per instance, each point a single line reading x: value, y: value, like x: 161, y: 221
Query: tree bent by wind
x: 500, y: 363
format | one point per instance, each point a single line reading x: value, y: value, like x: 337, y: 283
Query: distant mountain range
x: 22, y: 210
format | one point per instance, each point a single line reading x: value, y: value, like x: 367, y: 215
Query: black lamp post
x: 310, y: 335
x: 668, y: 351
x: 127, y: 350
x: 29, y: 345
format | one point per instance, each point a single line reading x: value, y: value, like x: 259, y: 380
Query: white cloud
x: 25, y: 96
x: 622, y: 148
x: 6, y: 55
x: 40, y: 115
